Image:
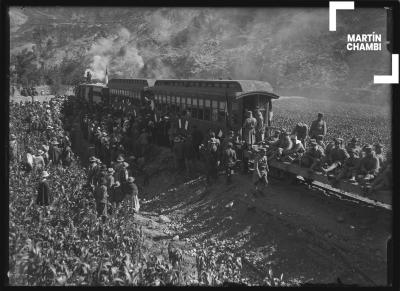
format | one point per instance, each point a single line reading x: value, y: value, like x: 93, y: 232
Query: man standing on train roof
x: 259, y: 126
x: 318, y: 126
x: 229, y: 160
x: 249, y: 128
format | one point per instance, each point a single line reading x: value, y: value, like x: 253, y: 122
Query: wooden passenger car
x: 134, y: 90
x: 215, y: 104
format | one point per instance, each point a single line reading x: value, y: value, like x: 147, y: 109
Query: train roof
x: 143, y: 82
x: 94, y: 84
x: 241, y: 87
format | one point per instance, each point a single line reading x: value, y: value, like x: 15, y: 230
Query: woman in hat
x: 133, y: 192
x: 44, y: 195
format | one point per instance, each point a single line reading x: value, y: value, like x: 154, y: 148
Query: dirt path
x: 301, y: 233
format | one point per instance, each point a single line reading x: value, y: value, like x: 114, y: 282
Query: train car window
x: 169, y: 99
x: 178, y: 101
x: 214, y: 115
x: 215, y: 104
x: 164, y: 99
x: 207, y: 103
x: 221, y: 111
x: 194, y: 107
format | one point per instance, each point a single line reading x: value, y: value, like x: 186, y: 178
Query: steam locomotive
x: 219, y: 105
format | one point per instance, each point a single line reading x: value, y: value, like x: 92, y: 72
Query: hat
x: 92, y: 159
x: 12, y: 136
x: 45, y: 147
x: 320, y: 114
x: 338, y: 139
x: 131, y: 179
x: 54, y: 141
x: 313, y: 141
x: 117, y: 183
x: 126, y: 165
x: 354, y: 139
x: 111, y: 170
x: 368, y: 147
x: 45, y: 174
x: 286, y: 133
x: 67, y: 148
x: 120, y: 158
x: 177, y: 139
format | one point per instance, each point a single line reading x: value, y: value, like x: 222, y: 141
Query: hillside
x: 290, y: 48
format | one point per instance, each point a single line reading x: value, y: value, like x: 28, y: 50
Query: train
x: 219, y: 105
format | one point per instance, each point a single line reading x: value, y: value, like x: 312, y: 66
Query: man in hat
x: 260, y: 176
x: 118, y: 165
x: 337, y: 156
x: 378, y: 147
x: 44, y: 194
x: 110, y: 178
x: 318, y: 127
x: 369, y: 165
x: 284, y: 145
x: 313, y: 157
x: 101, y: 197
x: 229, y: 160
x: 54, y: 152
x: 67, y: 156
x: 38, y: 162
x: 133, y: 192
x: 350, y: 166
x: 353, y: 144
x: 249, y: 128
x: 93, y: 170
x: 13, y: 148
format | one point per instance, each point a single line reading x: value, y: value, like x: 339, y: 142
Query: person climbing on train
x: 259, y: 128
x: 318, y: 126
x: 337, y: 156
x: 249, y: 128
x: 229, y: 161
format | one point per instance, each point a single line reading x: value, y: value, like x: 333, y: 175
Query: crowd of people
x: 121, y: 139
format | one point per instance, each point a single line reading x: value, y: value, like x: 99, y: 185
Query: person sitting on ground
x: 349, y: 169
x: 318, y: 127
x: 44, y: 195
x: 337, y: 156
x: 313, y: 157
x: 296, y: 152
x: 229, y: 160
x: 368, y: 166
x: 353, y: 144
